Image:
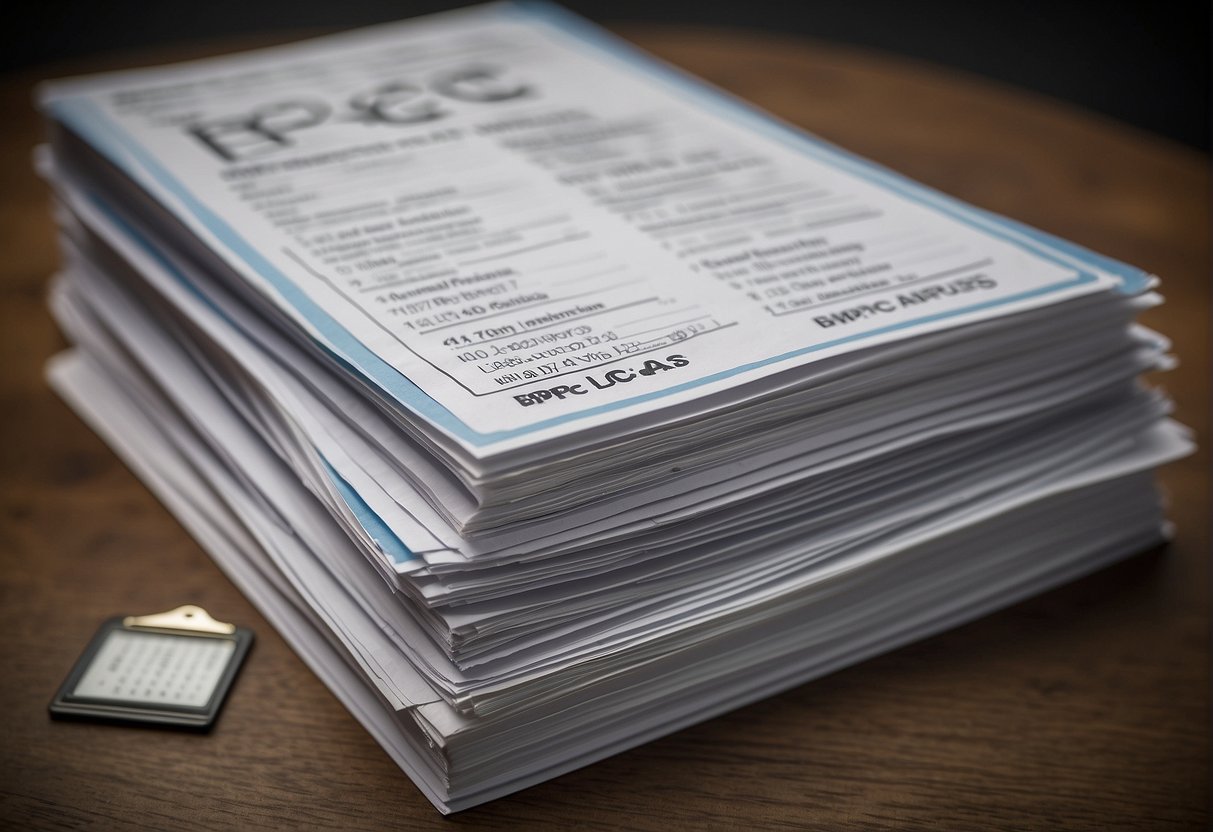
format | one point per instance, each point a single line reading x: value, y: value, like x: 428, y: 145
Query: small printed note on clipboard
x: 172, y: 669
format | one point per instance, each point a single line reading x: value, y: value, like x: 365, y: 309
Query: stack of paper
x: 548, y: 400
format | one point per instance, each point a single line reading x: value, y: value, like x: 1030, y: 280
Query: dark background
x: 1145, y: 63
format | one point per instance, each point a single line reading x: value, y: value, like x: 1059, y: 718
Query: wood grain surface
x: 1086, y: 708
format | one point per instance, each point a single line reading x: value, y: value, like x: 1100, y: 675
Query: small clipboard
x: 173, y: 669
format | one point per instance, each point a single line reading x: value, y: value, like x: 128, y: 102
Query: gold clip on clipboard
x: 171, y: 668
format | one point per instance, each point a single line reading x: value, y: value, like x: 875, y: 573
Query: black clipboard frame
x: 67, y: 705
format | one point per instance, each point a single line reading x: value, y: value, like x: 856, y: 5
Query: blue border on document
x: 86, y: 119
x: 384, y: 537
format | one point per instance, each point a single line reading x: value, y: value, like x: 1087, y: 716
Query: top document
x: 521, y: 229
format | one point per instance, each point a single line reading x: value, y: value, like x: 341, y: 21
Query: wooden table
x: 1087, y: 708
